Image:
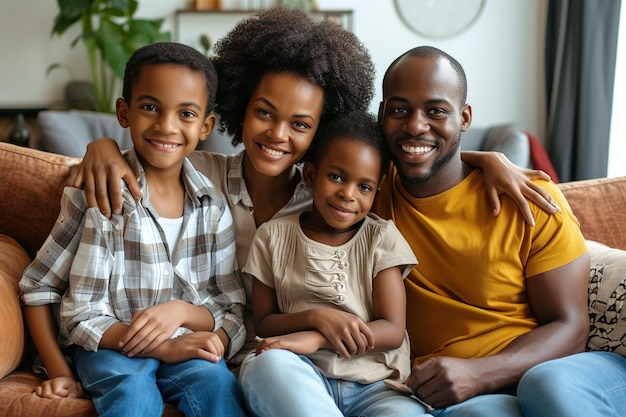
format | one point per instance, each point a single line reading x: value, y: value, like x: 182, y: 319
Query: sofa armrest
x: 13, y: 261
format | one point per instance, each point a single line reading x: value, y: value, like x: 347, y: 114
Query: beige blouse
x: 307, y: 274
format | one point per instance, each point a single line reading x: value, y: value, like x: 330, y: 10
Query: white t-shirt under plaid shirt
x: 122, y: 265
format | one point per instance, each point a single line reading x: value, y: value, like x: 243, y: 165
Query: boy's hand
x: 196, y: 345
x: 60, y: 387
x: 347, y: 333
x: 304, y: 343
x: 152, y: 326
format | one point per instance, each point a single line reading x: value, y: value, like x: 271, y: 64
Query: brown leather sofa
x: 31, y: 183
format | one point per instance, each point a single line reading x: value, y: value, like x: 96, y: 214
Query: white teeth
x: 416, y: 149
x: 164, y: 145
x: 272, y: 151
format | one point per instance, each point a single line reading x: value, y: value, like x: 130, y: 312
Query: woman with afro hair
x: 281, y: 75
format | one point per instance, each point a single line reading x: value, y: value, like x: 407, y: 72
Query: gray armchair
x: 67, y: 132
x: 509, y: 139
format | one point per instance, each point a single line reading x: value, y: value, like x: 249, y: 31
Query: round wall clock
x: 439, y: 18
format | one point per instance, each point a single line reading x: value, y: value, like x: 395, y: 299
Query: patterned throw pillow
x: 607, y: 292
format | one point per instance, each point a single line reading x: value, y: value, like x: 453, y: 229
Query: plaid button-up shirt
x: 121, y: 265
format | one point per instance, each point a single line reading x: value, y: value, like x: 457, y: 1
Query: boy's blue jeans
x: 587, y: 384
x: 122, y: 386
x: 281, y: 383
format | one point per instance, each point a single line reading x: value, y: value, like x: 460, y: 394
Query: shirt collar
x: 237, y: 189
x: 196, y: 184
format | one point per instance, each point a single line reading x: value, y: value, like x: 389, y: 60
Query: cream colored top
x: 307, y: 274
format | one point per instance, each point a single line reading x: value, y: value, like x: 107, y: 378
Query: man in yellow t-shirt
x: 492, y: 296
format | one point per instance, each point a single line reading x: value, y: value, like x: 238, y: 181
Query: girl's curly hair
x: 288, y: 40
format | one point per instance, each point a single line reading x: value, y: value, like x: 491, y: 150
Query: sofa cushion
x: 607, y: 292
x: 599, y: 206
x: 32, y: 182
x: 12, y: 263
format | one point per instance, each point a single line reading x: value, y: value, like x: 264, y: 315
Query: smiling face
x: 280, y: 122
x: 422, y: 116
x: 344, y: 185
x: 166, y: 115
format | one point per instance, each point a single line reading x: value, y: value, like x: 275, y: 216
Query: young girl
x: 339, y: 257
x: 281, y: 75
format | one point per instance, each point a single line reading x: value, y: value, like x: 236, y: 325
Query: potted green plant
x: 110, y: 33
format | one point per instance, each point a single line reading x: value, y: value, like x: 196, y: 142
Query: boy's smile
x: 166, y: 115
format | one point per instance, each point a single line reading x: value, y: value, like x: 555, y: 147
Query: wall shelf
x: 190, y: 24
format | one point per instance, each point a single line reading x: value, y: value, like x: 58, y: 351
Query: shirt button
x: 166, y: 273
x: 117, y: 227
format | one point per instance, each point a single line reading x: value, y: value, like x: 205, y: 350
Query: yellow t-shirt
x: 467, y: 297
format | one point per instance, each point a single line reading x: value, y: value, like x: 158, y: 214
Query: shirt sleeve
x: 556, y: 238
x: 393, y: 250
x: 225, y: 297
x: 45, y: 280
x: 86, y: 310
x: 258, y: 264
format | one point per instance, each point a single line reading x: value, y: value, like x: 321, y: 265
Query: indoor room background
x: 502, y: 53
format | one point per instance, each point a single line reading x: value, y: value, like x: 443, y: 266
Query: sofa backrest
x: 31, y: 184
x: 600, y: 205
x: 32, y: 181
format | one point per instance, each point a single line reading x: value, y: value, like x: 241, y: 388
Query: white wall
x: 502, y: 52
x: 617, y: 146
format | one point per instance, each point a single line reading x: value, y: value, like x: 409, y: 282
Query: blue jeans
x: 281, y: 383
x: 501, y: 405
x: 586, y: 384
x: 122, y: 386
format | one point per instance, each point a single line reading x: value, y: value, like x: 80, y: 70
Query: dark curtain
x: 581, y: 48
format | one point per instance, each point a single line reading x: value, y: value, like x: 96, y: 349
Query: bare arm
x: 100, y: 173
x: 384, y: 333
x: 153, y: 325
x: 504, y: 177
x: 61, y: 380
x: 559, y: 300
x: 204, y: 345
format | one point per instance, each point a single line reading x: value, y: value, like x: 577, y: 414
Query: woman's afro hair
x: 288, y: 40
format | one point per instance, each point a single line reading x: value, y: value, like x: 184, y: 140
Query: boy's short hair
x: 359, y: 126
x: 174, y: 53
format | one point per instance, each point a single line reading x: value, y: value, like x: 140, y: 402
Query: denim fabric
x: 122, y: 386
x: 281, y: 383
x: 501, y: 405
x: 587, y: 384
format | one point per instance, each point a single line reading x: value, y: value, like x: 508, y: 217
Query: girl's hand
x: 100, y: 173
x: 501, y: 176
x: 347, y: 333
x: 60, y: 387
x: 303, y: 343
